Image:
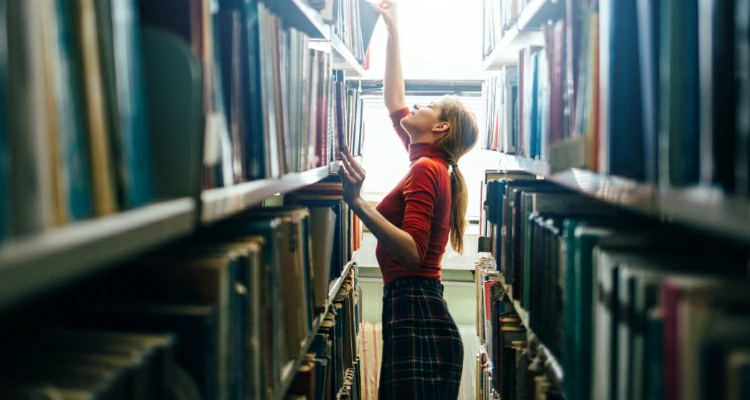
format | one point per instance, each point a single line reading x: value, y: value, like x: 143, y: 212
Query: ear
x: 441, y: 127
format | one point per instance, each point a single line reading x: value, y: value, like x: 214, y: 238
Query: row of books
x: 345, y: 17
x: 74, y: 134
x: 330, y: 370
x: 666, y: 308
x: 507, y: 366
x: 499, y: 17
x: 273, y: 105
x: 517, y: 105
x: 242, y: 298
x: 645, y: 97
x: 94, y: 364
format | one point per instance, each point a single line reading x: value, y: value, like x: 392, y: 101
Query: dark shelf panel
x: 37, y: 264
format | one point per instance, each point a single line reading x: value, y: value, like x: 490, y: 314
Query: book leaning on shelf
x: 583, y: 270
x: 642, y: 90
x: 74, y: 137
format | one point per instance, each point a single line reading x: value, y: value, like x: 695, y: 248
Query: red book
x: 557, y: 119
x: 670, y: 296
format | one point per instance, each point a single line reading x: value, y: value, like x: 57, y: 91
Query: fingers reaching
x: 352, y: 163
x: 346, y: 177
x: 348, y: 163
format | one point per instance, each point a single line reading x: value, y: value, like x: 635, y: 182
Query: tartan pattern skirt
x: 423, y: 353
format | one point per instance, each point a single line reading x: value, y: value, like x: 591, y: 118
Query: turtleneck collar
x: 424, y: 149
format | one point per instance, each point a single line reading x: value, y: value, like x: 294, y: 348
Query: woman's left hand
x: 352, y: 176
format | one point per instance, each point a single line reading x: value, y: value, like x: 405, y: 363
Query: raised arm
x: 394, y: 92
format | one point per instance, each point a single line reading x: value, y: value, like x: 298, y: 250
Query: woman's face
x: 423, y: 122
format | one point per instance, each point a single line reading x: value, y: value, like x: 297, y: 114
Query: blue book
x: 654, y: 356
x: 533, y: 120
x: 73, y: 135
x: 648, y: 42
x: 123, y: 69
x: 623, y: 108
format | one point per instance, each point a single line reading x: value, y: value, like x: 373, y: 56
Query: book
x: 98, y: 115
x: 122, y: 73
x: 31, y: 182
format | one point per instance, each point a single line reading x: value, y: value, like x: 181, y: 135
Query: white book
x: 29, y: 133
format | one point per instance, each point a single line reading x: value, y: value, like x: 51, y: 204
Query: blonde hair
x: 458, y: 140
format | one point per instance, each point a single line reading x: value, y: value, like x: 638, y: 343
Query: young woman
x: 422, y: 348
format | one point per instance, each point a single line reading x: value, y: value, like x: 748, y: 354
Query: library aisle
x: 614, y: 249
x: 172, y: 223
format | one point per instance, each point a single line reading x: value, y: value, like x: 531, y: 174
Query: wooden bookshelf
x: 704, y: 208
x: 524, y: 32
x: 290, y: 369
x: 221, y: 203
x: 32, y: 266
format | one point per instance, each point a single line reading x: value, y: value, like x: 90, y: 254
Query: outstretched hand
x: 387, y: 9
x: 352, y: 176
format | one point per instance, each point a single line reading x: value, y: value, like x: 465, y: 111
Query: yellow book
x: 102, y: 172
x: 57, y: 164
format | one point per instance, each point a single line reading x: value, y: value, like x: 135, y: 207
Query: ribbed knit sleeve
x: 420, y: 195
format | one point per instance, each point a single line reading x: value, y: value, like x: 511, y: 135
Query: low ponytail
x: 459, y: 202
x: 461, y: 137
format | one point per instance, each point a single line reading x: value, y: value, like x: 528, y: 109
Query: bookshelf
x: 37, y: 264
x: 290, y: 370
x: 524, y: 32
x: 704, y: 208
x: 235, y: 94
x: 221, y: 203
x: 293, y: 365
x: 299, y: 14
x: 552, y: 366
x: 344, y: 60
x: 625, y: 112
x: 336, y: 285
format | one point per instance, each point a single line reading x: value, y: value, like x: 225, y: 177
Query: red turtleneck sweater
x: 420, y: 206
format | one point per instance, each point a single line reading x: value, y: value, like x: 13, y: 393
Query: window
x: 387, y: 162
x: 440, y: 39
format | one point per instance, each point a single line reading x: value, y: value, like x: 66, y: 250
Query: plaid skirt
x: 422, y: 349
